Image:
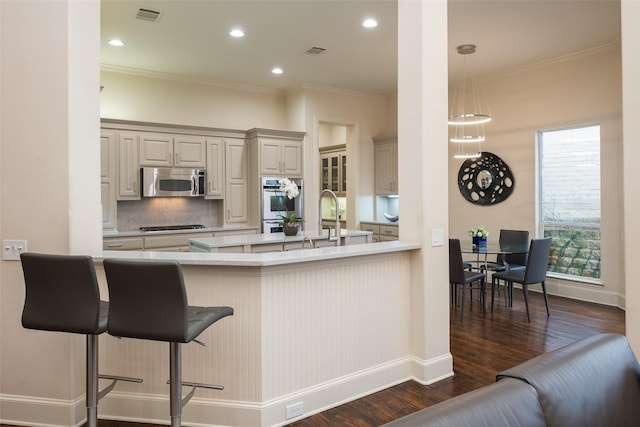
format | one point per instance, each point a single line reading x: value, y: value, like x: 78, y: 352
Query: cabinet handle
x: 284, y: 166
x: 176, y: 159
x: 115, y: 245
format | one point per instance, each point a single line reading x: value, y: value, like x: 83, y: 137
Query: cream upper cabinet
x: 215, y: 168
x: 333, y: 169
x: 236, y: 202
x: 386, y: 166
x: 168, y: 150
x: 108, y: 178
x: 280, y: 158
x: 128, y: 166
x: 275, y: 153
x: 189, y: 151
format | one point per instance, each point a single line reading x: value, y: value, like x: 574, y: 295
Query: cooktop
x: 172, y: 227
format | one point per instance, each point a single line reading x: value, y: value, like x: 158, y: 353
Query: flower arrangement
x: 478, y: 232
x: 290, y: 188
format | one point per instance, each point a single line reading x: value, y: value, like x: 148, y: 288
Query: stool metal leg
x: 175, y: 384
x: 92, y: 381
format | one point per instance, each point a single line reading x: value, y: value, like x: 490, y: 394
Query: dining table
x: 482, y: 252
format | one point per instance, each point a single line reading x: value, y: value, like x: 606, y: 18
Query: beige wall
x: 48, y: 141
x: 148, y: 98
x: 631, y: 105
x: 577, y: 90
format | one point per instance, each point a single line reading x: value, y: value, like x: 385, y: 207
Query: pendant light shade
x: 469, y: 110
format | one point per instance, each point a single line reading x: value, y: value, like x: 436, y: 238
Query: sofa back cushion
x: 507, y: 403
x: 593, y: 382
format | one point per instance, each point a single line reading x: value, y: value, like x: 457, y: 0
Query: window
x: 569, y: 203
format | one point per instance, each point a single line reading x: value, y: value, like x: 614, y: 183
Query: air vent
x: 148, y: 15
x: 315, y: 51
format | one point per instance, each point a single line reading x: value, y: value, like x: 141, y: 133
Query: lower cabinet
x: 381, y: 233
x: 123, y: 244
x: 178, y: 242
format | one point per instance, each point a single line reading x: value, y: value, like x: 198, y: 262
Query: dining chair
x: 459, y: 276
x: 535, y: 272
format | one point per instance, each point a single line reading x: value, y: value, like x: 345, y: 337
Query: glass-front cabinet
x: 333, y: 169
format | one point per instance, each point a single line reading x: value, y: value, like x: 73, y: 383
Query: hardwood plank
x: 482, y: 345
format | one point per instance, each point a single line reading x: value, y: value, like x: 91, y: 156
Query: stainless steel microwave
x: 172, y: 182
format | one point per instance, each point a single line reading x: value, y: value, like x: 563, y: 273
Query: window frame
x: 539, y: 213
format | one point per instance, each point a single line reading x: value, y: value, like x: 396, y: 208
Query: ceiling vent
x: 148, y: 15
x: 315, y: 51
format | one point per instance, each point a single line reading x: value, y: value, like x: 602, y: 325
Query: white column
x: 422, y: 174
x: 630, y: 13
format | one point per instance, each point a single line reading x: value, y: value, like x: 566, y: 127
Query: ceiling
x: 190, y: 39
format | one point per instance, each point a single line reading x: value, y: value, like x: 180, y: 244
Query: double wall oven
x: 276, y: 203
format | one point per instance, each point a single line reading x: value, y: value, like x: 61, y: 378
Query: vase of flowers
x: 289, y: 223
x: 479, y: 236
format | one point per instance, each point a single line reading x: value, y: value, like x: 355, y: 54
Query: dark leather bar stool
x: 148, y: 301
x: 62, y: 295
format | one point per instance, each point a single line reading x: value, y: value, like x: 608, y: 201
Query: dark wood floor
x: 482, y: 345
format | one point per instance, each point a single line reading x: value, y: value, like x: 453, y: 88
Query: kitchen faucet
x: 337, y: 225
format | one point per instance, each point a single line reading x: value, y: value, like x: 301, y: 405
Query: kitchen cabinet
x: 171, y: 242
x: 108, y: 178
x: 386, y: 166
x: 123, y: 243
x: 128, y: 167
x: 333, y: 169
x: 215, y: 168
x: 172, y: 150
x: 381, y: 233
x: 276, y: 153
x: 280, y: 158
x: 236, y: 176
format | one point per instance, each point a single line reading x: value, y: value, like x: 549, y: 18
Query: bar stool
x: 62, y: 295
x: 148, y: 301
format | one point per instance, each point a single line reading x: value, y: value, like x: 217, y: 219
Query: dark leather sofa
x: 594, y: 382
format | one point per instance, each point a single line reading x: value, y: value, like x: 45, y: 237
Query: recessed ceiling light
x: 116, y: 42
x: 277, y: 70
x: 236, y: 32
x: 369, y: 23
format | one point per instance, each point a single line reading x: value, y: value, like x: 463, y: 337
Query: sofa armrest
x: 507, y: 403
x: 593, y: 382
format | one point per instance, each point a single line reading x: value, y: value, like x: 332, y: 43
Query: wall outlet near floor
x: 11, y: 249
x: 293, y: 410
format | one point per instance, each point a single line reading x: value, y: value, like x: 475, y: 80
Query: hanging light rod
x: 463, y: 118
x: 467, y: 138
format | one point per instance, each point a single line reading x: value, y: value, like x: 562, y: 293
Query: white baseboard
x: 210, y: 412
x: 41, y: 412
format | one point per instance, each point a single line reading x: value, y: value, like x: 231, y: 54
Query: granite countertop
x: 265, y: 259
x: 261, y: 239
x: 381, y: 222
x: 135, y: 233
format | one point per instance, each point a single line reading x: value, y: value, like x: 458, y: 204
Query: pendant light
x: 469, y: 111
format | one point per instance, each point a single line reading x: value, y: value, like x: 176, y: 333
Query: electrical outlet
x: 293, y: 410
x: 11, y: 249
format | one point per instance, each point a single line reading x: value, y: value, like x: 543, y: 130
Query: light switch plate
x: 11, y: 249
x: 437, y: 237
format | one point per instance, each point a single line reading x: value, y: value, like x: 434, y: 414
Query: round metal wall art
x: 485, y: 180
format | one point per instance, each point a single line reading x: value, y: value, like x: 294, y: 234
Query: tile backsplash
x: 168, y: 211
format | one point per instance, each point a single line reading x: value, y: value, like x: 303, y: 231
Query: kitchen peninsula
x: 276, y: 242
x: 308, y: 327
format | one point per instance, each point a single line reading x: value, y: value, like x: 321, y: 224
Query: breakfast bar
x: 306, y: 330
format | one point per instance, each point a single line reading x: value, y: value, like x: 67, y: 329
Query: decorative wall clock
x: 485, y: 180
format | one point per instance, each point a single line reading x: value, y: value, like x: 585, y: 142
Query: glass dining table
x: 483, y: 251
